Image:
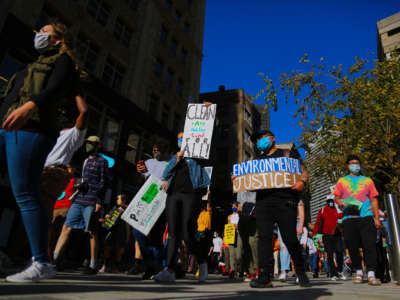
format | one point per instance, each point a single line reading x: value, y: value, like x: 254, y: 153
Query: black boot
x: 303, y: 279
x: 262, y: 281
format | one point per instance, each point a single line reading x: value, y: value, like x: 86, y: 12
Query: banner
x: 229, y: 234
x: 147, y: 206
x: 209, y: 173
x: 198, y: 130
x: 268, y: 173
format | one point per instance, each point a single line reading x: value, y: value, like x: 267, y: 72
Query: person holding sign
x: 277, y: 205
x: 185, y: 181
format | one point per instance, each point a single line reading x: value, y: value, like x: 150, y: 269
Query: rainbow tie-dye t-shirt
x: 356, y: 191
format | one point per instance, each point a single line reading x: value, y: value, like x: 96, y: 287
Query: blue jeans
x: 23, y: 154
x: 151, y: 255
x: 313, y: 259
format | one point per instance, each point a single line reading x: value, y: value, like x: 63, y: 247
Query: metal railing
x: 393, y: 213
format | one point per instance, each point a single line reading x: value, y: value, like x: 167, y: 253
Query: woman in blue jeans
x: 28, y: 111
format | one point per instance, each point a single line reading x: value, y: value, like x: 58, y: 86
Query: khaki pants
x: 235, y: 253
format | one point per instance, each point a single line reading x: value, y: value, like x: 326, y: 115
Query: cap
x: 255, y: 136
x: 93, y: 139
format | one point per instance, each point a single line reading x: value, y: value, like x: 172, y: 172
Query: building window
x: 247, y: 115
x: 179, y: 87
x: 110, y: 136
x: 88, y: 52
x: 170, y: 78
x: 186, y: 27
x: 133, y: 4
x: 99, y: 10
x: 165, y: 114
x: 177, y: 123
x: 183, y: 55
x: 174, y: 45
x: 393, y: 31
x: 163, y: 34
x: 122, y: 32
x: 154, y: 105
x: 159, y: 68
x: 113, y: 74
x: 178, y: 16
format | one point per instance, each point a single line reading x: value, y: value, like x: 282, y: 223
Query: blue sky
x: 243, y: 37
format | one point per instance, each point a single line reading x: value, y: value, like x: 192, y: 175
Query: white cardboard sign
x: 199, y: 125
x: 209, y: 173
x: 147, y: 206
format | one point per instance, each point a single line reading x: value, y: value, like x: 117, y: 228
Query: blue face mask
x: 354, y: 168
x: 263, y: 144
x: 234, y: 209
x: 180, y: 143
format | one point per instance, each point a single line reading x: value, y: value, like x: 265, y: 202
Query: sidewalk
x: 110, y: 286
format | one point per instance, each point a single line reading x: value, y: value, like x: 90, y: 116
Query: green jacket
x: 37, y: 76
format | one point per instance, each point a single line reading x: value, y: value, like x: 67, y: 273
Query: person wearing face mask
x: 28, y: 113
x: 185, y: 181
x: 235, y: 250
x: 155, y: 166
x: 216, y: 252
x: 327, y: 224
x: 277, y: 206
x: 357, y: 196
x: 87, y: 203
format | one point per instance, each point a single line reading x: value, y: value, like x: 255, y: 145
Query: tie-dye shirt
x: 357, y: 191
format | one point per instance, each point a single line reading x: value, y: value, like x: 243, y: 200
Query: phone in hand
x: 141, y: 163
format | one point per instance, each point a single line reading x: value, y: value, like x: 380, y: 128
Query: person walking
x: 356, y: 196
x: 235, y: 250
x: 327, y: 224
x: 185, y: 181
x: 29, y: 113
x: 277, y: 206
x: 216, y: 252
x: 87, y: 204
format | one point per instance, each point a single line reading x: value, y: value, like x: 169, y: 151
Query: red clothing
x: 69, y: 190
x: 329, y: 216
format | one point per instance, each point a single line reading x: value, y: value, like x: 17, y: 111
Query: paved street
x: 76, y: 286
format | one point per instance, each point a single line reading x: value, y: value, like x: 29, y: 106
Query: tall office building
x: 237, y: 119
x: 388, y: 30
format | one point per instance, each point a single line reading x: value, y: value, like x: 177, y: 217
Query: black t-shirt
x: 276, y: 197
x: 181, y: 182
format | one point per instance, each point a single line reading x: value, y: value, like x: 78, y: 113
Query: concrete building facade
x: 388, y: 31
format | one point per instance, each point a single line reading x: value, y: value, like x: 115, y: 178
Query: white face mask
x: 42, y: 41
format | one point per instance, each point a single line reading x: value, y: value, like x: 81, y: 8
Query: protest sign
x: 209, y: 173
x: 112, y: 220
x: 229, y: 234
x: 268, y: 173
x: 147, y: 206
x: 198, y: 130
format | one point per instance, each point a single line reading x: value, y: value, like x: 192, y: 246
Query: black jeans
x: 182, y: 211
x: 361, y: 233
x: 333, y: 244
x: 286, y: 217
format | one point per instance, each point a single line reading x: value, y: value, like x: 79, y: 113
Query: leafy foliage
x: 346, y: 112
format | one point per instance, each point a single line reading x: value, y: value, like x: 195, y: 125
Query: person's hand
x: 207, y: 103
x: 101, y: 220
x: 107, y: 216
x: 164, y: 185
x: 17, y: 119
x: 233, y: 177
x: 378, y: 223
x: 98, y: 207
x: 141, y: 168
x: 299, y: 230
x: 298, y: 186
x: 179, y: 156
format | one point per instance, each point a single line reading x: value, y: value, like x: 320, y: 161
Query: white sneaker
x: 33, y: 273
x: 103, y: 269
x: 283, y: 276
x: 342, y: 277
x: 165, y: 276
x: 297, y: 279
x: 335, y: 278
x: 203, y: 272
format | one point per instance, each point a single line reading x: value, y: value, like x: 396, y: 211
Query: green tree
x: 354, y: 111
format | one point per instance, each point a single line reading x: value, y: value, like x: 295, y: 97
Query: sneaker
x: 303, y: 279
x: 335, y: 278
x: 261, y: 282
x: 341, y: 276
x: 165, y: 276
x: 358, y: 278
x: 315, y: 275
x: 103, y: 269
x: 203, y: 272
x: 89, y: 271
x: 33, y: 273
x: 249, y: 278
x: 283, y: 276
x: 372, y: 280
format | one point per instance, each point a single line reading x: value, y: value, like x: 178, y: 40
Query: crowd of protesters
x: 270, y: 235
